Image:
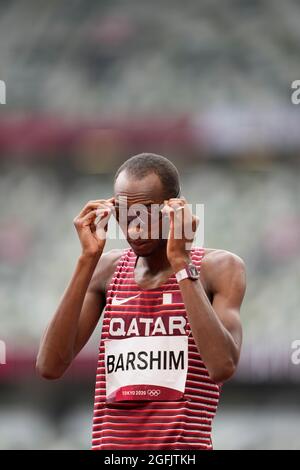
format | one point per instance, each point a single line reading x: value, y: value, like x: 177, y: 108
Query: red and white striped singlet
x: 180, y: 423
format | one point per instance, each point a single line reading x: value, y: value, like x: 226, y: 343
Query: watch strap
x: 187, y: 273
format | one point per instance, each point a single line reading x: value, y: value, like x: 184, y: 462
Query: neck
x: 157, y: 261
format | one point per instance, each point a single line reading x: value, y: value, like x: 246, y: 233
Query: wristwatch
x: 188, y: 272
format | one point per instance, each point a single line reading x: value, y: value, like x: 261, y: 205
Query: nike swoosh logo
x: 116, y: 301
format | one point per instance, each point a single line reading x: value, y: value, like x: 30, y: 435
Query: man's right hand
x: 93, y: 235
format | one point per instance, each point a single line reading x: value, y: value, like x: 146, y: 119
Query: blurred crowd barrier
x: 117, y: 57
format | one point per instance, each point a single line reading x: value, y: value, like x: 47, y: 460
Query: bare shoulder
x: 221, y: 259
x: 105, y: 269
x: 222, y: 266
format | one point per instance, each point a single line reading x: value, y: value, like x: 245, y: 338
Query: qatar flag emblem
x: 169, y: 298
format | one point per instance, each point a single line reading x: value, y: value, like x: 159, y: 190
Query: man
x: 171, y: 331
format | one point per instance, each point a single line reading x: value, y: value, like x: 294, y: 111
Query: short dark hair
x: 144, y: 164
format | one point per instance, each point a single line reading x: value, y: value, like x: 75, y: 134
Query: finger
x: 100, y: 226
x: 195, y: 223
x: 101, y: 220
x: 176, y: 199
x: 85, y: 220
x: 103, y: 208
x: 93, y: 205
x: 166, y: 209
x: 171, y: 214
x: 176, y: 203
x: 97, y: 214
x: 99, y: 208
x: 182, y: 208
x: 111, y: 200
x: 191, y: 228
x: 103, y: 216
x: 92, y: 215
x: 178, y: 207
x: 88, y: 207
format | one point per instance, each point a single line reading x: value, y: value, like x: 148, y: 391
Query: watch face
x: 193, y: 271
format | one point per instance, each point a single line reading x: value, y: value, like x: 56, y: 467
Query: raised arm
x: 82, y: 303
x: 216, y: 326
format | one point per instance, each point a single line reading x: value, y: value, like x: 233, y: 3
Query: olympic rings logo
x: 153, y: 393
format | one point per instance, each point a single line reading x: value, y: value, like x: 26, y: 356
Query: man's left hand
x: 183, y: 227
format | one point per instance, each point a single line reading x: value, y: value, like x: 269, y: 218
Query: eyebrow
x: 141, y: 203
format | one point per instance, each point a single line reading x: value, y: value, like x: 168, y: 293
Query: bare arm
x: 72, y: 323
x: 82, y: 303
x: 216, y: 327
x: 94, y: 301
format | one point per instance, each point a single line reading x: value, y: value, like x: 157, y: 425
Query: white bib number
x: 146, y: 368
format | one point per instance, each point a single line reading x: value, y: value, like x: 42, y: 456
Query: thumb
x: 195, y: 223
x: 171, y: 214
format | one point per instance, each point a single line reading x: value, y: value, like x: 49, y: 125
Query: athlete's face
x: 138, y: 204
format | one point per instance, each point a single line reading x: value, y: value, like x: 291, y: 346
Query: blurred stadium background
x: 207, y: 84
